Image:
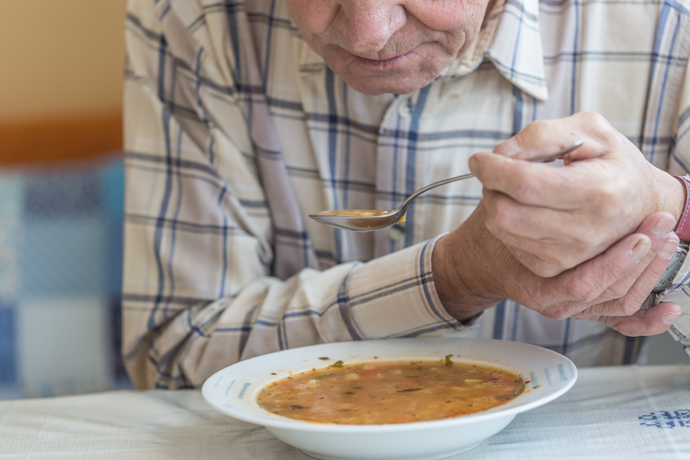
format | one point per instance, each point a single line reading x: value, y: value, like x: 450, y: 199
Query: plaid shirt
x: 236, y: 130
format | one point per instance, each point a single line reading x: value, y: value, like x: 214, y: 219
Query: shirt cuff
x: 395, y: 296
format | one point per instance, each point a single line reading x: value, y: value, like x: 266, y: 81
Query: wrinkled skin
x: 553, y: 219
x: 588, y: 241
x: 474, y: 270
x: 388, y: 46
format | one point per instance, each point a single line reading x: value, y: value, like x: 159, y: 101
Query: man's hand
x: 473, y: 271
x: 554, y: 218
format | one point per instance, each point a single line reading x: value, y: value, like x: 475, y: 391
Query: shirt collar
x: 516, y: 48
x: 510, y: 38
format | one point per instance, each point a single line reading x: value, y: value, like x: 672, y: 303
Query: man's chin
x: 374, y: 86
x: 402, y: 75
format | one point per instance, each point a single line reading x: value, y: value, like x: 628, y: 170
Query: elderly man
x: 243, y: 118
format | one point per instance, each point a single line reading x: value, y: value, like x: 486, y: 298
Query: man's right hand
x: 473, y: 271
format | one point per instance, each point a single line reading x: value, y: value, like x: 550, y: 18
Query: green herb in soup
x: 375, y: 393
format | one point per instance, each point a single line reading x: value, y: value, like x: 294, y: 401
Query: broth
x: 390, y: 392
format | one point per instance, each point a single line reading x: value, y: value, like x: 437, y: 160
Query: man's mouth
x: 382, y: 64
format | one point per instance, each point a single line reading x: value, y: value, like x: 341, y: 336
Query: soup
x: 390, y: 392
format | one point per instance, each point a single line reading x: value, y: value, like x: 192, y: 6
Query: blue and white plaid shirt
x: 236, y: 130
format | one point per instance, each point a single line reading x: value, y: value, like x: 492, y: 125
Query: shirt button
x: 405, y: 109
x: 396, y: 232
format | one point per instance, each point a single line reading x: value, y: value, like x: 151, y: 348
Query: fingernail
x: 668, y: 249
x: 669, y: 318
x: 509, y: 148
x: 471, y: 163
x: 640, y: 249
x: 664, y: 226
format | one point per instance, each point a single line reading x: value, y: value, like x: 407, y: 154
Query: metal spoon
x: 370, y: 220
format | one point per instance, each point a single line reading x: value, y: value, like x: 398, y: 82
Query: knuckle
x: 583, y: 292
x: 628, y: 306
x: 558, y: 313
x: 593, y: 119
x: 608, y: 137
x: 609, y: 198
x: 600, y: 128
x: 537, y: 131
x: 615, y: 292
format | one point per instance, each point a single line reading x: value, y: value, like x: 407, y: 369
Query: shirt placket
x: 401, y: 167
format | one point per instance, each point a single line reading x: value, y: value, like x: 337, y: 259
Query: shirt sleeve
x: 198, y: 294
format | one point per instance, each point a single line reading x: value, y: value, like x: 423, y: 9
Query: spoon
x: 370, y: 220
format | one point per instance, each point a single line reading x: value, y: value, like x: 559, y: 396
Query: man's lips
x: 386, y: 63
x: 380, y: 59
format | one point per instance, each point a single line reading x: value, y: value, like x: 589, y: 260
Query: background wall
x: 60, y: 58
x: 61, y: 196
x: 60, y: 79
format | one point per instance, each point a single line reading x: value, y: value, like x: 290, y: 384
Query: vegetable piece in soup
x: 374, y: 393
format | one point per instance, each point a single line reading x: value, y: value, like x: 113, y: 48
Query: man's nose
x: 367, y: 25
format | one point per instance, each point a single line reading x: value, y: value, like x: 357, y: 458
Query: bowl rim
x: 494, y: 413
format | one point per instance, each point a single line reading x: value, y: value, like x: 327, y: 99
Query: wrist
x: 461, y: 265
x: 669, y: 196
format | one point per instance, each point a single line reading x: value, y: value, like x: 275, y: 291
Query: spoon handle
x: 549, y: 157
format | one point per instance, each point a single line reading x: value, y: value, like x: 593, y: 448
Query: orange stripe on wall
x: 63, y: 139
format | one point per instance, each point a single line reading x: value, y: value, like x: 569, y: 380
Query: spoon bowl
x: 359, y: 223
x: 370, y: 220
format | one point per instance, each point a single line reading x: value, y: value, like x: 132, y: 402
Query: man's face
x: 388, y: 46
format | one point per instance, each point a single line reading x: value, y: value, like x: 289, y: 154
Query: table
x: 625, y: 412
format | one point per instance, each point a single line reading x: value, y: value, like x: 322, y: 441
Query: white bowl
x: 233, y: 391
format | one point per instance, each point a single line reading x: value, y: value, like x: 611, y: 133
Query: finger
x: 585, y: 284
x: 545, y: 242
x: 539, y: 138
x: 543, y: 231
x: 664, y: 242
x: 546, y: 136
x: 654, y: 321
x: 635, y: 292
x: 533, y: 183
x: 542, y: 264
x: 577, y: 186
x: 525, y: 220
x: 529, y: 183
x: 657, y: 227
x: 548, y: 258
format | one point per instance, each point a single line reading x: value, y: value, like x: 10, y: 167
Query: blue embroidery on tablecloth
x: 667, y: 419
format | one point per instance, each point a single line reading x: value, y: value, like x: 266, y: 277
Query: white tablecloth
x: 611, y: 413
